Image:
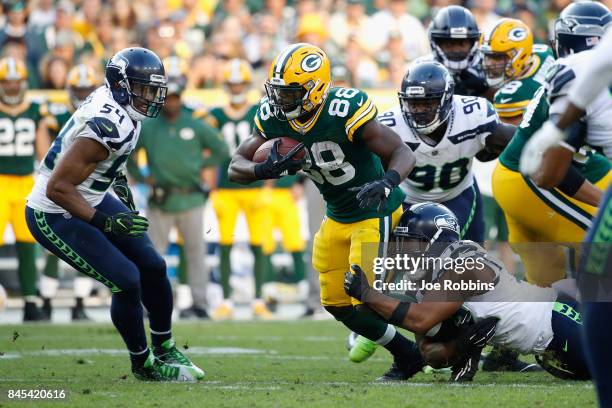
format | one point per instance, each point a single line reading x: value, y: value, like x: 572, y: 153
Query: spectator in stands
x: 42, y: 15
x: 16, y: 25
x: 395, y: 17
x: 350, y: 21
x: 55, y: 73
x: 123, y: 14
x: 484, y: 12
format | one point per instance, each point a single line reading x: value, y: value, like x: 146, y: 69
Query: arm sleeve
x: 596, y: 77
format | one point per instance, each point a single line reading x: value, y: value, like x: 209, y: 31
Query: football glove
x: 466, y: 367
x: 547, y: 136
x: 356, y: 283
x: 123, y: 192
x: 125, y: 224
x: 277, y: 165
x: 375, y: 193
x: 477, y: 335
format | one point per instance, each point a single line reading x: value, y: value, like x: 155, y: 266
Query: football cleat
x: 507, y: 360
x: 168, y: 354
x: 156, y: 370
x: 260, y: 310
x: 225, y: 311
x: 31, y: 313
x: 194, y: 312
x: 78, y: 314
x: 362, y: 349
x: 400, y: 371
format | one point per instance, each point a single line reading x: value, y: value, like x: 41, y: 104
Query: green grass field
x: 263, y: 364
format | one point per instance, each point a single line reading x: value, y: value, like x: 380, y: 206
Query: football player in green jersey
x: 515, y: 65
x: 21, y: 140
x: 235, y: 121
x: 82, y: 81
x: 356, y: 163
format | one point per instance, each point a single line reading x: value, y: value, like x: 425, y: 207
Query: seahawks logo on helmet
x: 517, y: 34
x: 311, y: 62
x: 448, y: 222
x: 120, y: 62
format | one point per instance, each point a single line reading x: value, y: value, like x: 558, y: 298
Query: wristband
x: 99, y: 220
x: 393, y: 177
x: 398, y: 315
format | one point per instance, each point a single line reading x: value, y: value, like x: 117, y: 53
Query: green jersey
x: 593, y: 167
x: 17, y: 139
x: 175, y: 157
x: 57, y: 115
x: 336, y: 157
x: 234, y: 130
x: 512, y: 99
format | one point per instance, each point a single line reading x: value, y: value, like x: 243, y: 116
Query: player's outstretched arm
x: 78, y: 163
x: 419, y: 318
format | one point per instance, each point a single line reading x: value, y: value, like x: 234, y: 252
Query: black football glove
x: 375, y: 193
x: 476, y: 336
x: 277, y: 165
x: 125, y: 224
x: 356, y: 283
x: 123, y: 192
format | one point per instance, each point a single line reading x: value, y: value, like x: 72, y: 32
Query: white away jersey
x: 598, y: 115
x: 443, y: 171
x: 524, y: 310
x: 100, y: 118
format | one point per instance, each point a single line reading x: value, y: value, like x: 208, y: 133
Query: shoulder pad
x: 557, y: 79
x: 108, y: 133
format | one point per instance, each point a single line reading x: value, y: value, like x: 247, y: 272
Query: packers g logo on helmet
x: 13, y: 80
x: 298, y: 81
x: 507, y: 49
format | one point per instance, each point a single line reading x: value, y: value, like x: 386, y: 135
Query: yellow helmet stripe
x: 282, y: 59
x: 235, y: 74
x: 492, y: 30
x: 12, y: 73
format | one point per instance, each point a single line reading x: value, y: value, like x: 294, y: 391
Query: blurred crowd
x: 370, y: 42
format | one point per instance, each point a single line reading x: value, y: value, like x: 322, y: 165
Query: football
x: 286, y: 144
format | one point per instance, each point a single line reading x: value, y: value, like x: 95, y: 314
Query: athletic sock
x: 404, y: 349
x: 126, y: 313
x: 259, y: 269
x: 138, y: 358
x: 157, y: 298
x: 26, y: 256
x: 299, y: 268
x: 270, y: 273
x: 51, y: 266
x: 225, y: 267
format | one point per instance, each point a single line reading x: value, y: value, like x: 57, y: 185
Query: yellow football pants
x: 536, y: 218
x: 13, y: 193
x: 283, y: 214
x: 253, y: 202
x: 337, y: 246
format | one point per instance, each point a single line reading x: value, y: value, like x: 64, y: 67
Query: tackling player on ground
x: 513, y: 314
x: 347, y: 152
x: 71, y: 213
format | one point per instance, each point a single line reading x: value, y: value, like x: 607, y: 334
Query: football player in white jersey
x: 454, y: 37
x: 588, y: 87
x: 445, y: 132
x: 71, y: 213
x: 505, y: 312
